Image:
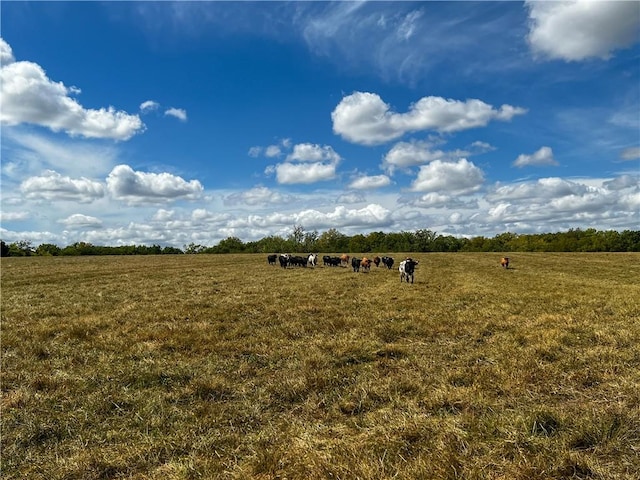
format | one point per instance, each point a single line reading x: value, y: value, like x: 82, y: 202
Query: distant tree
x: 296, y: 239
x: 230, y: 245
x: 171, y: 251
x: 358, y: 243
x: 192, y: 248
x: 48, y: 249
x: 311, y: 241
x: 23, y: 248
x: 332, y: 241
x: 423, y: 240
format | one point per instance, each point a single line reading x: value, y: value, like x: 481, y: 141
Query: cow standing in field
x: 365, y: 264
x: 344, y: 260
x: 504, y: 262
x: 407, y: 268
x: 387, y: 262
x: 272, y: 259
x: 284, y: 260
x: 312, y: 259
x: 376, y: 261
x: 355, y: 264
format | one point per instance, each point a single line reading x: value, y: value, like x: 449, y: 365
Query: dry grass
x: 205, y: 366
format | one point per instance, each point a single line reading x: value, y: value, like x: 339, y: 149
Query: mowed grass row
x: 222, y: 366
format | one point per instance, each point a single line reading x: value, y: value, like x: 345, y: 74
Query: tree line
x: 301, y: 241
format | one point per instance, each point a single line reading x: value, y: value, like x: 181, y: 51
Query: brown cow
x: 365, y: 264
x: 376, y: 260
x: 344, y: 260
x: 504, y: 262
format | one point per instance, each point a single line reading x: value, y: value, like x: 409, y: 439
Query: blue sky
x: 177, y: 123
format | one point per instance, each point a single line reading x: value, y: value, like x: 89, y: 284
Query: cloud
x: 52, y: 186
x: 259, y: 196
x: 438, y: 200
x: 13, y: 216
x: 78, y: 220
x: 178, y: 113
x: 542, y: 157
x: 622, y: 182
x: 32, y: 153
x: 551, y: 187
x: 149, y: 106
x: 368, y: 182
x: 27, y: 95
x: 6, y: 53
x: 631, y: 153
x: 123, y: 183
x: 307, y: 152
x: 461, y: 177
x: 364, y: 118
x: 579, y: 30
x: 307, y: 163
x: 291, y: 173
x: 254, y: 152
x: 272, y: 151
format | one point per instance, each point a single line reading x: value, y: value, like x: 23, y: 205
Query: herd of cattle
x: 406, y: 267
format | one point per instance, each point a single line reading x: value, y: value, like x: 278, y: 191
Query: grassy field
x: 222, y: 366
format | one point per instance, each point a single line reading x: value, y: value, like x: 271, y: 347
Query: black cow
x: 326, y: 260
x: 355, y: 264
x: 387, y: 262
x: 284, y: 260
x: 272, y: 259
x: 407, y: 268
x: 298, y: 261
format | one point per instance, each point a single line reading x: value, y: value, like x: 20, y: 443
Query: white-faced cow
x: 407, y: 268
x: 284, y: 260
x: 312, y: 259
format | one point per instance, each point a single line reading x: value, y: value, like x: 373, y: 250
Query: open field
x: 221, y: 366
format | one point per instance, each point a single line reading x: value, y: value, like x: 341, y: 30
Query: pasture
x: 225, y: 367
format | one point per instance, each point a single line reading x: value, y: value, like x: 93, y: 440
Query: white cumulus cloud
x: 126, y: 184
x: 367, y: 182
x: 542, y: 157
x: 578, y: 30
x: 291, y: 173
x: 27, y: 95
x: 364, y: 118
x: 79, y: 220
x: 53, y: 186
x: 461, y: 177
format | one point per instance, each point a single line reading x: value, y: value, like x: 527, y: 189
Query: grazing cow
x: 284, y: 260
x: 298, y: 261
x: 407, y: 268
x: 365, y: 264
x: 376, y: 260
x: 312, y: 259
x: 344, y: 260
x: 504, y: 262
x: 326, y: 260
x: 387, y: 262
x: 272, y: 259
x: 355, y: 264
x: 334, y: 261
